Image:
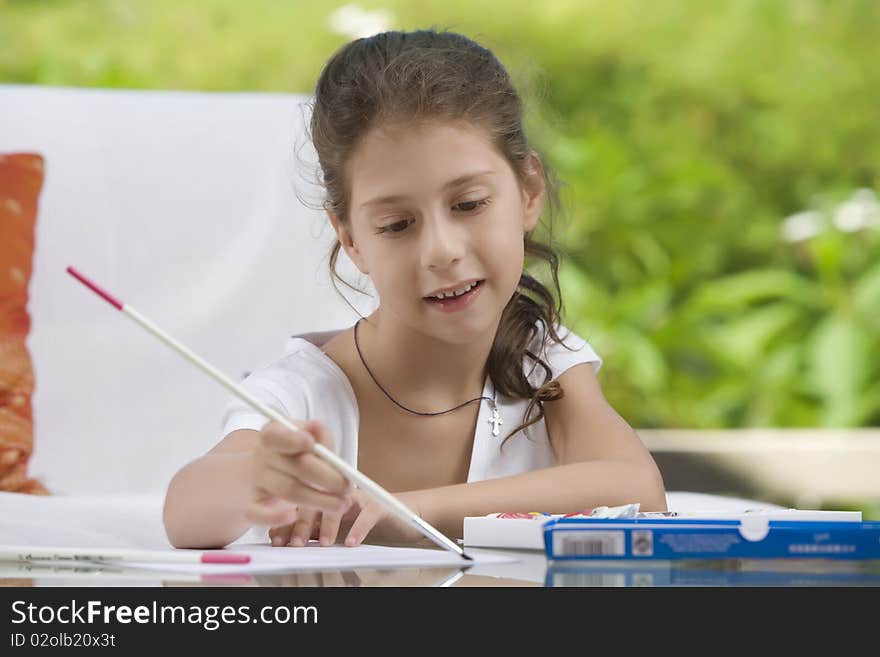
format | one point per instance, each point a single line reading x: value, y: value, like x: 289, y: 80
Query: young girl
x: 461, y: 393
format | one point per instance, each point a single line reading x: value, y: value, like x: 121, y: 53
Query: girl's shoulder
x: 571, y: 349
x: 301, y: 372
x: 303, y: 383
x: 305, y: 365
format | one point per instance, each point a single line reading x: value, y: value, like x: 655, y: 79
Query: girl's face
x: 433, y: 207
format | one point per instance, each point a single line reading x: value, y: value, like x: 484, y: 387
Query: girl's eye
x: 465, y: 206
x: 397, y: 227
x: 473, y: 205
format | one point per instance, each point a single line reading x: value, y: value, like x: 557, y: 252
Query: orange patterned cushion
x: 21, y: 179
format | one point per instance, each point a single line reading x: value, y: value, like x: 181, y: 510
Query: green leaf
x: 645, y: 306
x: 740, y: 290
x: 644, y: 361
x: 839, y: 366
x: 744, y: 341
x: 582, y: 297
x: 866, y: 294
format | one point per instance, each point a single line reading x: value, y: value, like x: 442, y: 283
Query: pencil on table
x: 40, y: 553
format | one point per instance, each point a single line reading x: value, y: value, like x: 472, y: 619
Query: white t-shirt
x: 307, y: 384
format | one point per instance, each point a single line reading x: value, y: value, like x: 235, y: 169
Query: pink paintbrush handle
x: 94, y: 287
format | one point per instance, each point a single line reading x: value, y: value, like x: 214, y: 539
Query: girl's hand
x: 290, y: 482
x: 370, y: 517
x: 365, y: 517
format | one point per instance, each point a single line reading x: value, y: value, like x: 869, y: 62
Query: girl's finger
x: 322, y: 435
x: 362, y: 526
x: 314, y: 471
x: 292, y: 451
x: 282, y: 439
x: 271, y: 511
x: 302, y: 530
x: 278, y: 483
x: 281, y: 535
x: 329, y: 528
x: 278, y: 438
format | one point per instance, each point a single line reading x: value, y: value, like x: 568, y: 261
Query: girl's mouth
x: 452, y: 304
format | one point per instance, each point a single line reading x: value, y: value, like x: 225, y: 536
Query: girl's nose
x: 443, y: 243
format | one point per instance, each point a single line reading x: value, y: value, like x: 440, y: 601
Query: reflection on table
x: 716, y: 572
x: 530, y: 569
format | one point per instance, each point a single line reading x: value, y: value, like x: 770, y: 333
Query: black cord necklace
x: 495, y: 420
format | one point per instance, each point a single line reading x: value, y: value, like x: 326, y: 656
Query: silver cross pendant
x: 495, y: 420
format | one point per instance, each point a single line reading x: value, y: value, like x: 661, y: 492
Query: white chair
x: 184, y: 206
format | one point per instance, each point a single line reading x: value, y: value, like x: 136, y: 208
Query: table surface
x: 530, y: 570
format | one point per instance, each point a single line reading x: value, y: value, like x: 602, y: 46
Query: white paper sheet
x: 266, y: 558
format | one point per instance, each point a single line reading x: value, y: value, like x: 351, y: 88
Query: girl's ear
x: 344, y: 235
x: 533, y: 192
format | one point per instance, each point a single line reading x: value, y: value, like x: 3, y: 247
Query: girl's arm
x: 253, y: 477
x: 560, y: 489
x: 602, y: 462
x: 207, y: 500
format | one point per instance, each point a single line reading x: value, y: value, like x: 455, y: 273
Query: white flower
x: 859, y: 212
x: 802, y: 226
x: 356, y: 23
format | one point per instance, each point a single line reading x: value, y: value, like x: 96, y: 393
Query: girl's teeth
x: 458, y: 293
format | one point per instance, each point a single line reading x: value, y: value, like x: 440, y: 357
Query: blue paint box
x: 571, y: 539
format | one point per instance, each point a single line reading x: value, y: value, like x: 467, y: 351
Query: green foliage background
x: 686, y: 132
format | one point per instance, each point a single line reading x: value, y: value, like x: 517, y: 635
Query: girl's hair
x: 428, y: 76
